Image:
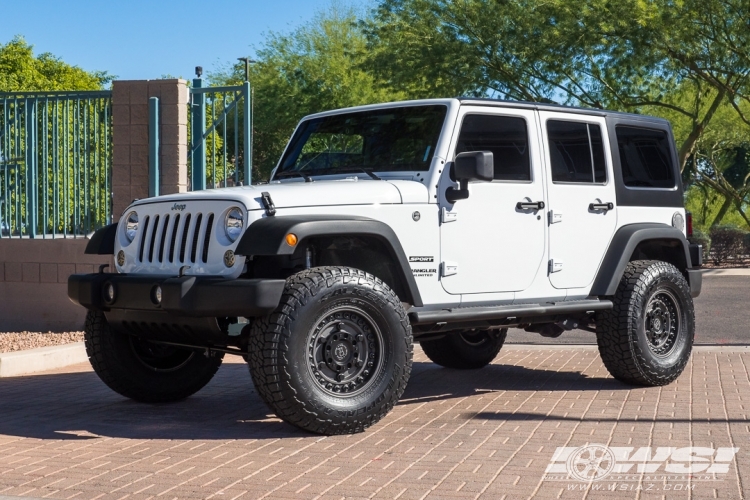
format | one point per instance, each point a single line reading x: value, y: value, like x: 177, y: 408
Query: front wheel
x: 142, y: 370
x: 336, y: 354
x: 647, y: 337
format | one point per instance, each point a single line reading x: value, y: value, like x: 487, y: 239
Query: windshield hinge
x: 265, y: 198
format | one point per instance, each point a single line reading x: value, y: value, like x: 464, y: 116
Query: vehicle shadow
x: 78, y: 406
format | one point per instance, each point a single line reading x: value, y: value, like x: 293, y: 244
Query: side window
x: 645, y: 157
x: 505, y: 136
x: 576, y: 152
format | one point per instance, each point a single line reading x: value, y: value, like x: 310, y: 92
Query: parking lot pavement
x: 489, y: 433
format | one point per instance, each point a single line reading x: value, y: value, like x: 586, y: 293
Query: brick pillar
x: 130, y: 138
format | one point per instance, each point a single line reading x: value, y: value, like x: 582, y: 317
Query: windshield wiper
x: 293, y: 174
x: 363, y: 170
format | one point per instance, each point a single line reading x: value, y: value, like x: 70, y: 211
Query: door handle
x: 529, y: 205
x: 601, y: 206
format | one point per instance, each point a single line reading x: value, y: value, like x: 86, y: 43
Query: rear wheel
x: 647, y: 337
x: 143, y: 370
x: 469, y: 349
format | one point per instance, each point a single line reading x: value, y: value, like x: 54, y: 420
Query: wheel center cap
x: 340, y: 352
x: 657, y: 324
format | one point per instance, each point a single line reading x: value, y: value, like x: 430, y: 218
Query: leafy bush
x: 727, y: 243
x: 701, y: 238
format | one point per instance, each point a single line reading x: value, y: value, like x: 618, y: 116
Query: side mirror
x: 471, y: 166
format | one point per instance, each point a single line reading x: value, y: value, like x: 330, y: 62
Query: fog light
x: 109, y: 293
x: 156, y: 295
x: 120, y: 258
x: 229, y: 258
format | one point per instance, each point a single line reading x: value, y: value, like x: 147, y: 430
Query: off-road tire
x: 282, y: 350
x: 621, y: 332
x: 113, y: 355
x: 467, y: 350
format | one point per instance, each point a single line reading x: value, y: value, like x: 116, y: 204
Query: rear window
x: 576, y: 152
x: 645, y: 157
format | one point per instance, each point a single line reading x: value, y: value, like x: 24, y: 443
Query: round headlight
x: 233, y: 223
x: 131, y: 226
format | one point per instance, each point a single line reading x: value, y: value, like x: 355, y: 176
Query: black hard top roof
x: 478, y: 101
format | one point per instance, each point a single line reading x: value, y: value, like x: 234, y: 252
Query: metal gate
x: 55, y: 163
x: 220, y: 136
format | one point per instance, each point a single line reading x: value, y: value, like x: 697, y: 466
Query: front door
x: 488, y: 242
x: 582, y: 215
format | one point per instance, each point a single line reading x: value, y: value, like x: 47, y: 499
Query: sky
x: 147, y: 39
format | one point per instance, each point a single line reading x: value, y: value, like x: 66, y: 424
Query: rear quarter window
x: 645, y: 158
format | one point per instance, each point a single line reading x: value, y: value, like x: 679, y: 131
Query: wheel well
x: 667, y: 250
x: 363, y: 252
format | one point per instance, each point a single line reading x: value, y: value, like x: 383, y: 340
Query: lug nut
x: 360, y: 337
x: 360, y: 363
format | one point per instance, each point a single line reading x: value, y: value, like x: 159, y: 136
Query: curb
x: 14, y: 364
x: 726, y: 272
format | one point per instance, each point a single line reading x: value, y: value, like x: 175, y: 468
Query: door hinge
x: 555, y: 266
x: 448, y: 268
x: 554, y: 217
x: 447, y: 216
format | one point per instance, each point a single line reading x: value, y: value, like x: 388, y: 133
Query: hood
x: 319, y: 193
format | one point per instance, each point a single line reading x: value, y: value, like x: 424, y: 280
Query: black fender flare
x: 267, y: 236
x: 102, y: 242
x: 621, y: 248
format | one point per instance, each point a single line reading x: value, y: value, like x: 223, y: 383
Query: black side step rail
x: 422, y: 316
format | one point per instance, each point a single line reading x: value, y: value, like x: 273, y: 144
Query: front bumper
x: 193, y: 296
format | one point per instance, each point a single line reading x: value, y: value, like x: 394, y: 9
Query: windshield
x: 384, y: 140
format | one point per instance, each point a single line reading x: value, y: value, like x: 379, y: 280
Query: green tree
x: 317, y: 67
x: 20, y: 70
x: 676, y: 56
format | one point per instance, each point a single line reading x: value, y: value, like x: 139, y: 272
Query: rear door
x: 582, y: 215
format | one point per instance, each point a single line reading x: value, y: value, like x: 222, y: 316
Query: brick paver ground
x: 477, y: 434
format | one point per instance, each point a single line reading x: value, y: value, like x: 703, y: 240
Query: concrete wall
x: 130, y: 138
x: 34, y: 272
x: 33, y: 283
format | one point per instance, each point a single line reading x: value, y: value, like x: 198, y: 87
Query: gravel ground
x: 20, y: 341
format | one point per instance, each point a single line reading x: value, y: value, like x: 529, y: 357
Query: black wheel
x: 646, y: 339
x: 142, y: 370
x: 336, y: 354
x: 466, y: 350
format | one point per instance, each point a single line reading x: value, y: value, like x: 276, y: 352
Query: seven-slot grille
x: 175, y: 237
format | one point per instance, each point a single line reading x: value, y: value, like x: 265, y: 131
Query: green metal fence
x: 220, y: 136
x: 55, y: 163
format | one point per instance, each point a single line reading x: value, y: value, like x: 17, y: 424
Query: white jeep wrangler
x: 441, y: 221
